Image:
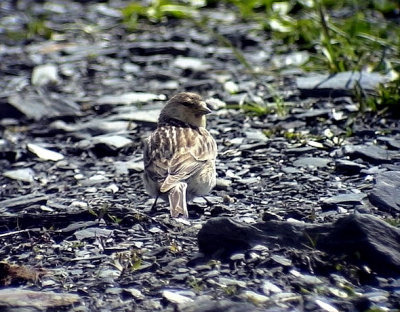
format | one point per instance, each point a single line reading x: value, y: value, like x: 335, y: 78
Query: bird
x: 179, y: 155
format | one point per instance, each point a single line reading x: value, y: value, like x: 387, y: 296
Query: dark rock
x: 23, y: 201
x: 377, y: 242
x: 7, y: 110
x: 313, y: 113
x: 289, y: 125
x: 155, y: 48
x: 348, y: 167
x: 7, y: 150
x: 76, y: 226
x: 300, y: 150
x: 225, y: 236
x: 207, y: 305
x: 36, y: 107
x: 363, y: 238
x: 92, y: 233
x: 269, y: 216
x: 339, y: 84
x: 390, y: 142
x: 386, y: 193
x: 370, y: 153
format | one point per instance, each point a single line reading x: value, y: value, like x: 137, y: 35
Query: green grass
x: 340, y: 35
x: 393, y: 221
x: 36, y: 27
x: 338, y: 41
x: 159, y: 10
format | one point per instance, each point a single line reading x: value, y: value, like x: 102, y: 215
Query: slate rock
x: 130, y: 98
x: 291, y: 170
x: 143, y: 115
x: 113, y: 141
x: 23, y: 201
x: 135, y: 293
x: 105, y: 145
x: 386, y: 192
x: 254, y: 297
x: 299, y: 150
x: 152, y: 47
x: 93, y: 126
x: 339, y: 84
x: 376, y: 242
x: 292, y: 59
x: 44, y: 153
x: 45, y: 74
x: 192, y: 63
x: 208, y: 305
x: 176, y: 297
x: 130, y: 68
x: 350, y: 198
x: 231, y: 282
x: 317, y: 162
x: 76, y: 226
x: 360, y: 237
x: 7, y: 150
x: 36, y: 106
x: 281, y: 260
x: 226, y: 236
x: 268, y: 287
x: 23, y: 299
x: 371, y: 153
x: 22, y: 174
x: 391, y: 142
x: 313, y: 113
x: 348, y: 167
x: 92, y: 233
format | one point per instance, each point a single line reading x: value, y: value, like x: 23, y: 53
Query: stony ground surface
x: 75, y: 222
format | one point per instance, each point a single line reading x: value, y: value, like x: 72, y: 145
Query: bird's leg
x: 153, y: 207
x: 207, y: 201
x: 177, y: 200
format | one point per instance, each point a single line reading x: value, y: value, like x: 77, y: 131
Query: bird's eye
x: 186, y: 104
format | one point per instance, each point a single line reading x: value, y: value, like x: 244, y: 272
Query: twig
x: 17, y: 232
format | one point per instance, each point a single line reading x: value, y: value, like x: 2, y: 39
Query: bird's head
x: 187, y: 107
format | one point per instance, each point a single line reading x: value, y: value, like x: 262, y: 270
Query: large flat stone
x: 339, y: 84
x: 386, y: 193
x: 360, y: 237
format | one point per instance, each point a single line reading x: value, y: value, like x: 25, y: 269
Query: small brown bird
x: 179, y: 156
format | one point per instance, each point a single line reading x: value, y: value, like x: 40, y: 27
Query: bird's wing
x: 180, y: 154
x: 182, y: 167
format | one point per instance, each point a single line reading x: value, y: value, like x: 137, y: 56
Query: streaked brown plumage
x: 179, y: 156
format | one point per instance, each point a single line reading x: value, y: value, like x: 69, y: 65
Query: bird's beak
x: 204, y: 110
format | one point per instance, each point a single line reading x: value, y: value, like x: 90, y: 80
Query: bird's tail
x: 177, y: 200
